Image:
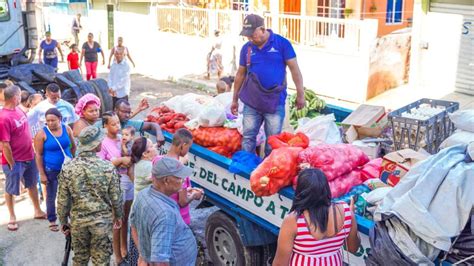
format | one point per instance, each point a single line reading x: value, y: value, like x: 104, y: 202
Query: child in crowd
x: 182, y: 141
x: 34, y: 99
x: 111, y: 151
x: 73, y: 58
x: 128, y: 134
x: 24, y: 101
x: 144, y: 152
x: 221, y: 87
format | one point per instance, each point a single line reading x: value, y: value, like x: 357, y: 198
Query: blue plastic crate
x: 340, y: 113
x: 428, y: 133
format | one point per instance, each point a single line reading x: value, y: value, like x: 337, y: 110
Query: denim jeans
x: 51, y: 190
x: 252, y: 122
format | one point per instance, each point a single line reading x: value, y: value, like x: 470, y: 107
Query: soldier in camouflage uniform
x: 89, y: 193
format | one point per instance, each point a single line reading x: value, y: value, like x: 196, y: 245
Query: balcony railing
x: 311, y: 31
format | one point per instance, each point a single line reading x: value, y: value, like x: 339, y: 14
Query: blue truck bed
x: 258, y: 218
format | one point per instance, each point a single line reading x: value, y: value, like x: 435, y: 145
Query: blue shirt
x: 162, y: 234
x: 137, y: 124
x: 37, y: 119
x: 53, y: 156
x: 49, y: 50
x: 269, y: 63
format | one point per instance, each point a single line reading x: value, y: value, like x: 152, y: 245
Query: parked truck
x: 245, y: 228
x: 18, y: 34
x: 18, y: 43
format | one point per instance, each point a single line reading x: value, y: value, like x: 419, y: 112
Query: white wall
x: 433, y: 68
x: 163, y: 55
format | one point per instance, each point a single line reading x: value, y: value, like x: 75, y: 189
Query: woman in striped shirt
x: 316, y: 229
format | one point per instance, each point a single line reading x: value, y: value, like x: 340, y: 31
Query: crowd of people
x: 108, y: 187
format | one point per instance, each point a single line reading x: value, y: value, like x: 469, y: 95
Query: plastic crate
x: 428, y: 133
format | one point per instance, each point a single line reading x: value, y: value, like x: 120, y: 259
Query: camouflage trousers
x: 92, y: 241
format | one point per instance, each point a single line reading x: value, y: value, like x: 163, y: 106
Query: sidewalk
x: 21, y: 247
x: 392, y: 99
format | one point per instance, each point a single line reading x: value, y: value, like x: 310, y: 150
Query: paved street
x: 33, y: 243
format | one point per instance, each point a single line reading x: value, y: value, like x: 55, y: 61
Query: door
x: 290, y: 26
x: 465, y: 68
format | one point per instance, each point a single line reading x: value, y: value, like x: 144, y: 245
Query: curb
x: 201, y: 85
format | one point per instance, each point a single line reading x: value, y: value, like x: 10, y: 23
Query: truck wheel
x: 70, y: 96
x: 225, y: 245
x: 74, y: 76
x: 102, y: 90
x: 25, y: 72
x: 85, y: 87
x: 268, y: 254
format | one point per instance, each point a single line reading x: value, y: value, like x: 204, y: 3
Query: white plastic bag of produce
x: 321, y: 129
x: 458, y: 137
x: 225, y: 99
x: 189, y: 104
x: 173, y: 103
x: 463, y: 119
x: 212, y: 116
x: 192, y: 124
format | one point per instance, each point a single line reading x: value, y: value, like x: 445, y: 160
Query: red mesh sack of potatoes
x: 275, y: 172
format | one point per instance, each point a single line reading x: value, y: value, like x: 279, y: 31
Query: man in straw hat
x: 89, y: 193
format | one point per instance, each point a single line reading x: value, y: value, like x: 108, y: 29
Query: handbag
x: 253, y: 94
x: 344, y: 250
x: 66, y: 157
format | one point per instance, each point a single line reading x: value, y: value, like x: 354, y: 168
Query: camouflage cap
x: 89, y: 138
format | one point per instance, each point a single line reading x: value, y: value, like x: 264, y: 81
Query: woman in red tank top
x: 316, y: 229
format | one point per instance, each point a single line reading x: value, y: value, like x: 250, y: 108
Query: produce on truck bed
x: 345, y: 183
x: 286, y: 139
x: 275, y: 172
x: 334, y: 160
x: 167, y: 118
x: 341, y: 184
x: 225, y: 141
x: 312, y: 108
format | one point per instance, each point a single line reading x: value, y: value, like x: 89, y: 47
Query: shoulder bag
x: 66, y: 157
x: 253, y: 94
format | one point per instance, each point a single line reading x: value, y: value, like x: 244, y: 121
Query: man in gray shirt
x: 162, y: 236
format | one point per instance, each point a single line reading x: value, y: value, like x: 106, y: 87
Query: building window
x: 394, y: 11
x: 4, y: 12
x: 240, y: 5
x: 331, y: 8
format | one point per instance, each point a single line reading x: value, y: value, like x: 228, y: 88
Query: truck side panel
x: 12, y: 35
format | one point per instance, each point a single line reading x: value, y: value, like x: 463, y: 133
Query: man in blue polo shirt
x: 261, y: 81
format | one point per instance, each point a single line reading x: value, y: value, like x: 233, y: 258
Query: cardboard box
x: 365, y: 121
x: 396, y: 164
x: 371, y: 149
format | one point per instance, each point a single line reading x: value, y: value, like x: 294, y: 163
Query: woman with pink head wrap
x: 88, y: 108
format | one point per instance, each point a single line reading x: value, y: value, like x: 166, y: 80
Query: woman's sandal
x: 12, y: 226
x: 54, y: 227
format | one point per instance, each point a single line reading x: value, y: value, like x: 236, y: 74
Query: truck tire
x: 102, y: 90
x: 25, y: 72
x: 224, y: 244
x: 86, y: 87
x: 74, y: 76
x: 26, y: 87
x: 69, y: 95
x: 268, y: 254
x: 45, y: 77
x: 66, y: 84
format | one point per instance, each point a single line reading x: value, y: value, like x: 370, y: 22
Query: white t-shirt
x: 119, y: 78
x: 37, y: 119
